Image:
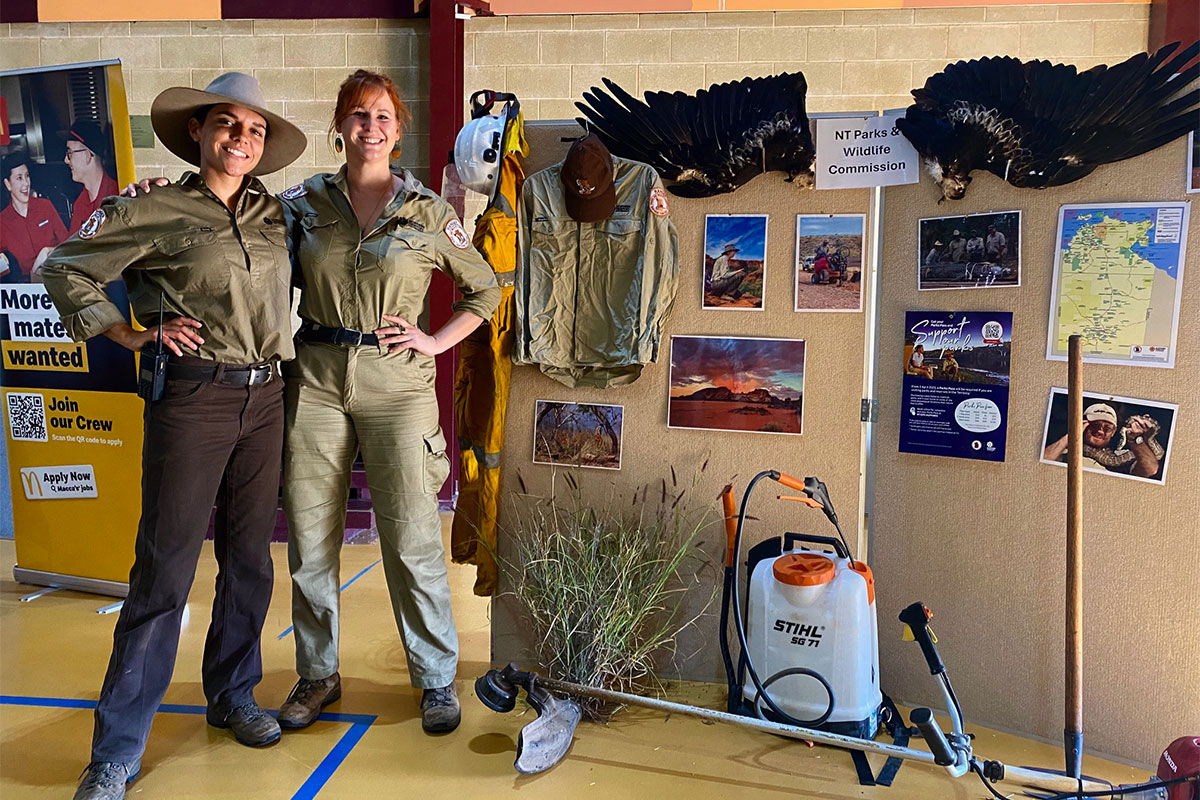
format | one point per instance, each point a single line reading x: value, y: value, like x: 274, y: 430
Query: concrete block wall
x: 299, y: 63
x: 853, y: 60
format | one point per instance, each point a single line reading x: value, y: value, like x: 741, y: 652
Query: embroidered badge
x: 658, y: 202
x: 583, y: 187
x: 456, y: 234
x: 296, y: 191
x: 91, y: 225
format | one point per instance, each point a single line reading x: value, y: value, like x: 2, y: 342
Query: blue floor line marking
x: 359, y: 725
x: 329, y: 765
x: 364, y: 571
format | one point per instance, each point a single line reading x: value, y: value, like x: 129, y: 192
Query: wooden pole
x: 1073, y: 729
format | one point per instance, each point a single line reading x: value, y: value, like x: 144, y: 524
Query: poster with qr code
x: 73, y: 422
x: 26, y: 417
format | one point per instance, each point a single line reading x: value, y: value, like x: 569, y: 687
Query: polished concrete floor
x: 54, y: 649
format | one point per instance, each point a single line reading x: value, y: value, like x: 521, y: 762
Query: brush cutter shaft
x: 766, y: 726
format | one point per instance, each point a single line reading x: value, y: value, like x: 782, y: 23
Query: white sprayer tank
x: 815, y: 610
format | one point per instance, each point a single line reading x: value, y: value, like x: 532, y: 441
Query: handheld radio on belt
x: 152, y: 372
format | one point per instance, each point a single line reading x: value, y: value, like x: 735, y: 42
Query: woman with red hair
x: 366, y: 241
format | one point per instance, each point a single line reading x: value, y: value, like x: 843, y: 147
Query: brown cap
x: 587, y: 177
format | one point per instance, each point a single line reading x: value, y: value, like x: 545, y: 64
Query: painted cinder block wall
x: 853, y: 60
x: 299, y: 63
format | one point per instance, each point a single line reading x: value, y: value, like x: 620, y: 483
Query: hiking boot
x: 251, y: 725
x: 105, y: 780
x: 439, y: 710
x: 304, y: 704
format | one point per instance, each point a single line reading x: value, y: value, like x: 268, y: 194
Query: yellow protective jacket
x: 481, y: 384
x: 591, y: 299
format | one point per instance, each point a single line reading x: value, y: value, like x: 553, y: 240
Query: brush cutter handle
x: 916, y: 617
x: 943, y: 755
x: 729, y: 505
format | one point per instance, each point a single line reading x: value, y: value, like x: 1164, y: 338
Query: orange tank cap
x: 862, y: 569
x: 803, y: 569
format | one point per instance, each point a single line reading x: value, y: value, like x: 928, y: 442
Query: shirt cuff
x: 92, y: 320
x: 482, y: 303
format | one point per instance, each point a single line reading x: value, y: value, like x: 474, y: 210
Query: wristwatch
x: 1140, y: 440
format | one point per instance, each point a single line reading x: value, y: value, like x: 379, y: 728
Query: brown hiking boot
x: 251, y: 725
x: 304, y: 704
x: 439, y: 710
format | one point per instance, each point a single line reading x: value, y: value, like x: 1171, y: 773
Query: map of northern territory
x: 1118, y: 272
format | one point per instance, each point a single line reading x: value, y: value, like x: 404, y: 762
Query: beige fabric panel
x: 829, y: 446
x: 983, y: 544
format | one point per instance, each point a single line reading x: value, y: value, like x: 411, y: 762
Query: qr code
x: 27, y: 417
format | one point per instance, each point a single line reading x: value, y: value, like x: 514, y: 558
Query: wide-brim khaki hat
x: 175, y: 106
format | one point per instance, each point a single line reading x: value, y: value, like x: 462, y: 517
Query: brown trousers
x: 203, y: 443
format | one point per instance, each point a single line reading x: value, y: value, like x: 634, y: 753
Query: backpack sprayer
x: 852, y: 647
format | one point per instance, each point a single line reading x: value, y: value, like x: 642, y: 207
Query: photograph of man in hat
x: 735, y: 252
x: 725, y: 278
x: 1128, y: 447
x: 212, y: 248
x: 86, y: 144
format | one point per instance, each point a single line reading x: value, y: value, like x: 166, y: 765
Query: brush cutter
x: 545, y: 741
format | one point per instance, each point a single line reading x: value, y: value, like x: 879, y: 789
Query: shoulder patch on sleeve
x: 456, y: 234
x: 658, y: 202
x: 296, y: 191
x: 91, y: 225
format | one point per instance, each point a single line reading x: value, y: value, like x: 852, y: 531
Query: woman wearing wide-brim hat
x: 213, y: 248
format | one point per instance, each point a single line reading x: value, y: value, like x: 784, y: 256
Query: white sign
x: 58, y: 483
x: 860, y: 152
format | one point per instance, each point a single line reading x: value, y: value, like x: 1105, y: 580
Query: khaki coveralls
x: 340, y: 399
x: 205, y: 442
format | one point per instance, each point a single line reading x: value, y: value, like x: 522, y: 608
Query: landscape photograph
x: 737, y: 384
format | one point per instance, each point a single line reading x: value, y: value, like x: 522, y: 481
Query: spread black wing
x: 710, y: 142
x: 1038, y: 124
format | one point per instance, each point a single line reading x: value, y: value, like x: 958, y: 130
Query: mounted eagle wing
x: 710, y: 142
x: 1037, y: 124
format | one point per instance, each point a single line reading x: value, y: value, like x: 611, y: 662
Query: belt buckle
x: 344, y: 332
x: 260, y: 374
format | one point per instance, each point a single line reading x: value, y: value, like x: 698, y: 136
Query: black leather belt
x: 348, y: 337
x: 223, y: 375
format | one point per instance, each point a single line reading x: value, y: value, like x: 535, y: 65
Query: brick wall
x: 853, y: 60
x: 299, y: 65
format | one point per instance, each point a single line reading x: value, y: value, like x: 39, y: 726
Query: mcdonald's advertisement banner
x: 72, y: 418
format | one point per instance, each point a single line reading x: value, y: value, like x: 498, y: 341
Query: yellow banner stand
x: 73, y: 421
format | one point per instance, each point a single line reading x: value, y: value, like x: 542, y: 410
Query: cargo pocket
x: 437, y: 463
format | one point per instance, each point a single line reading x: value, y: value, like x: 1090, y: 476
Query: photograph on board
x: 735, y: 252
x: 829, y: 262
x: 578, y: 434
x: 1122, y: 436
x: 976, y: 251
x: 737, y: 384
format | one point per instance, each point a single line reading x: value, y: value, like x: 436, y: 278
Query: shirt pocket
x: 316, y: 239
x: 552, y: 244
x: 193, y: 259
x: 621, y: 240
x: 276, y: 260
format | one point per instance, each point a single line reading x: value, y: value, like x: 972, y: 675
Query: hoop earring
x: 337, y: 144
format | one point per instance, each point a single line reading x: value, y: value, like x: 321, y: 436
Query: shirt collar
x: 338, y: 179
x: 194, y: 181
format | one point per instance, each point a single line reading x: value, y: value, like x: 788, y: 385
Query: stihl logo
x: 802, y: 635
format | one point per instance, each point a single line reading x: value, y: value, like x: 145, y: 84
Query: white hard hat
x: 478, y: 153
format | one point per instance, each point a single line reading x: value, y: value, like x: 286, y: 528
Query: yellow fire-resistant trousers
x: 339, y: 400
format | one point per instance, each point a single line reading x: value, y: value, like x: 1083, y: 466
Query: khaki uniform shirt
x: 229, y: 270
x: 592, y: 298
x: 351, y: 279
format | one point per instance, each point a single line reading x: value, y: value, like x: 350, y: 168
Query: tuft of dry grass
x: 601, y: 586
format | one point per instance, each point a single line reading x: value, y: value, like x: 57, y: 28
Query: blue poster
x: 956, y: 367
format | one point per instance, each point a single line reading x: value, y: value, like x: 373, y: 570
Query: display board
x: 828, y: 446
x: 983, y: 544
x: 73, y: 423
